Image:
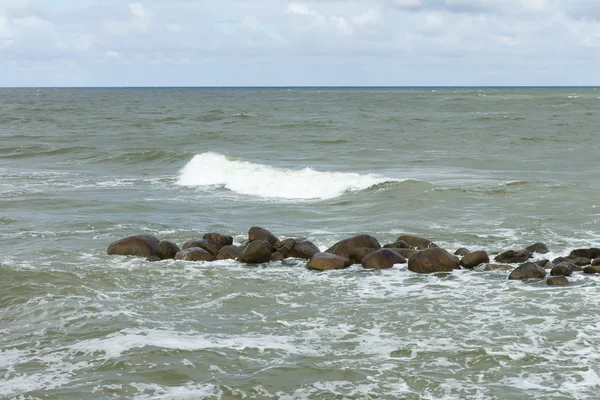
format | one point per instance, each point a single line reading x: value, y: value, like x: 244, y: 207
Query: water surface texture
x: 486, y: 168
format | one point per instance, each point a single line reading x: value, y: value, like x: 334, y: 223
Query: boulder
x: 406, y: 253
x: 528, y: 270
x: 432, y: 260
x: 512, y: 256
x: 382, y: 259
x: 558, y: 260
x: 217, y: 240
x: 202, y: 243
x: 494, y: 267
x: 557, y: 281
x: 562, y: 269
x: 138, y: 245
x: 540, y: 248
x: 284, y: 247
x: 276, y: 256
x: 194, y: 254
x: 166, y: 250
x: 230, y: 252
x: 153, y: 259
x: 590, y: 253
x: 416, y: 242
x: 475, y: 258
x: 461, y: 252
x: 257, y: 233
x: 596, y: 261
x: 358, y: 253
x: 258, y: 251
x: 545, y: 263
x: 592, y: 269
x: 303, y: 249
x: 581, y: 261
x: 344, y: 247
x: 328, y: 261
x: 398, y: 244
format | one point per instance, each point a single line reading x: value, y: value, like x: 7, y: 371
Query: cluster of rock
x: 422, y: 255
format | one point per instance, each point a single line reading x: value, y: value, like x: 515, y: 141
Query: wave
x: 214, y: 169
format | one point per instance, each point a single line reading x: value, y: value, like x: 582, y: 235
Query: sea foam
x: 214, y: 169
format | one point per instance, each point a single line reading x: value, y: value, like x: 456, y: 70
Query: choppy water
x: 481, y: 168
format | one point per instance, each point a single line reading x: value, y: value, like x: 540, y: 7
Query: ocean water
x: 484, y: 168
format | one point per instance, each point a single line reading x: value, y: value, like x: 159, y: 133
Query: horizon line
x: 307, y: 87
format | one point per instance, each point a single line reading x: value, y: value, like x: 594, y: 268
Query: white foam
x: 214, y: 169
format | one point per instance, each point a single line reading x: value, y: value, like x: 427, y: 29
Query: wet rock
x: 416, y: 242
x: 398, y: 244
x: 557, y: 281
x: 217, y: 240
x: 285, y: 247
x: 344, y: 247
x: 562, y: 269
x: 591, y: 253
x: 475, y: 258
x: 153, y: 259
x: 432, y: 260
x: 328, y: 261
x: 257, y: 252
x: 138, y: 245
x: 277, y: 256
x: 596, y: 261
x: 166, y: 250
x: 230, y: 252
x: 558, y: 260
x: 461, y: 252
x: 592, y: 269
x: 358, y: 253
x: 194, y: 254
x: 545, y: 263
x: 494, y: 267
x: 540, y: 248
x: 529, y: 270
x: 257, y: 233
x: 406, y: 253
x: 382, y: 259
x: 203, y: 244
x: 512, y: 256
x: 581, y: 261
x: 303, y: 249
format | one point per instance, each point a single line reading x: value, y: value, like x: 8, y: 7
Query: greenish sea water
x: 484, y: 168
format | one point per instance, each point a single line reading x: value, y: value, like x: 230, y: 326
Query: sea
x: 483, y: 168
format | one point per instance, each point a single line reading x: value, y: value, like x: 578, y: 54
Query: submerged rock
x: 194, y: 254
x: 382, y: 259
x: 494, y: 267
x: 432, y: 260
x: 328, y: 261
x: 557, y: 281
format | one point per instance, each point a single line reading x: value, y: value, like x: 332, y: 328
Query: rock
x: 202, y: 243
x: 432, y: 260
x: 303, y: 249
x: 475, y: 258
x: 562, y: 269
x: 398, y: 244
x: 406, y: 253
x: 596, y: 261
x: 461, y: 251
x: 382, y: 259
x: 285, y: 247
x: 166, y: 250
x: 328, y: 261
x: 276, y: 256
x: 494, y: 267
x: 557, y: 281
x: 416, y: 242
x: 194, y: 254
x: 138, y: 245
x: 258, y: 251
x: 217, y: 240
x: 257, y: 233
x: 512, y: 256
x: 540, y: 248
x: 590, y: 253
x: 153, y: 259
x: 581, y: 261
x: 343, y: 247
x: 545, y: 263
x: 592, y: 269
x: 528, y: 270
x: 558, y: 260
x: 358, y: 253
x: 230, y: 252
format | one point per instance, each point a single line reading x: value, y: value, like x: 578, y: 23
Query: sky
x: 299, y: 43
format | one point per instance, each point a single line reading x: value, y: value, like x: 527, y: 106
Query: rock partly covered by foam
x: 382, y: 259
x: 194, y: 254
x: 202, y: 243
x: 328, y: 261
x: 432, y: 260
x: 416, y: 242
x: 529, y: 270
x: 218, y: 240
x: 513, y: 256
x: 344, y: 247
x: 538, y: 247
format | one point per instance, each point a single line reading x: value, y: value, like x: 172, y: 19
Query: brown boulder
x: 416, y: 242
x: 382, y: 259
x: 303, y: 249
x: 344, y: 247
x: 461, y: 251
x: 398, y: 244
x: 432, y: 260
x: 592, y: 269
x: 194, y: 254
x: 540, y: 248
x: 528, y: 270
x: 581, y: 261
x: 596, y: 261
x: 258, y: 251
x: 590, y: 253
x: 328, y: 261
x: 230, y: 252
x: 358, y: 253
x: 512, y: 256
x: 475, y: 258
x: 494, y: 267
x: 563, y: 268
x: 557, y: 281
x: 166, y: 250
x: 406, y: 253
x: 257, y: 233
x: 138, y: 245
x: 202, y: 243
x: 217, y: 240
x: 276, y: 256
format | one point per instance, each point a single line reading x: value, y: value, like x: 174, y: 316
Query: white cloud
x: 32, y: 22
x: 370, y: 17
x: 301, y: 9
x: 138, y: 10
x: 112, y: 54
x: 5, y: 30
x: 173, y: 28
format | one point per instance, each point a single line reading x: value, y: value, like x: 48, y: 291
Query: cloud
x: 173, y: 28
